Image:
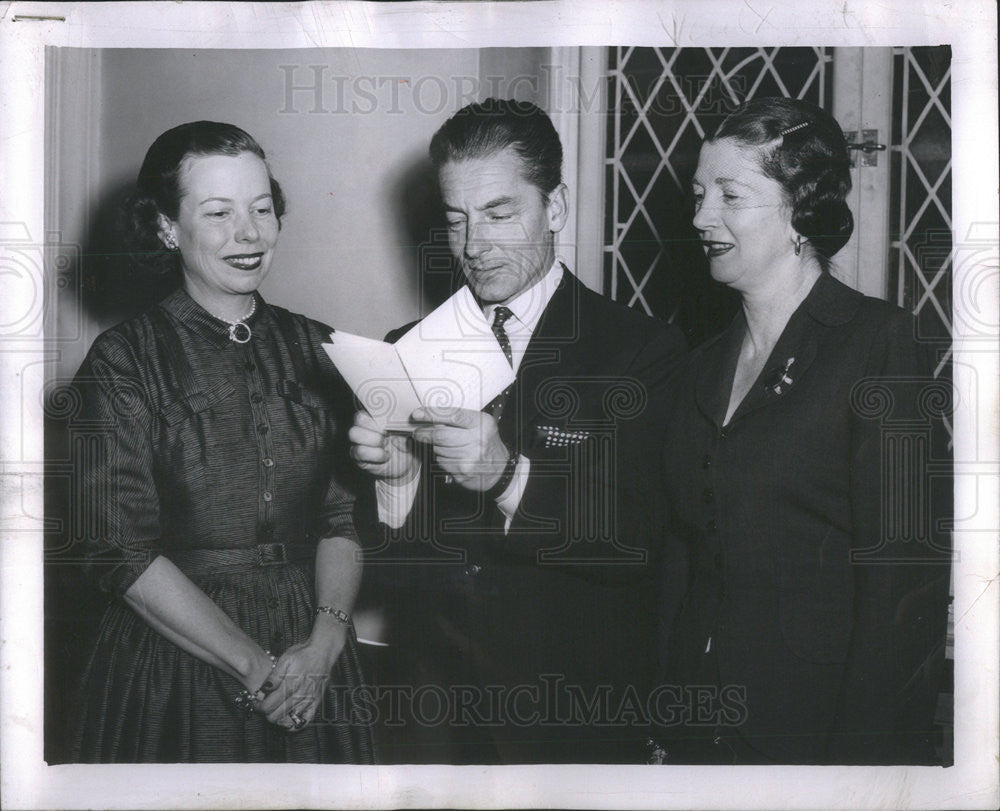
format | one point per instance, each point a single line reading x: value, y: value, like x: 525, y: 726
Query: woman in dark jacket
x: 798, y: 466
x: 223, y: 533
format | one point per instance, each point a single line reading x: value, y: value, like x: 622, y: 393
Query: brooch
x: 778, y: 378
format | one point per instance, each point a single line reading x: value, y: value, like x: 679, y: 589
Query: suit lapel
x: 714, y: 379
x: 552, y: 349
x: 791, y: 356
x: 829, y: 303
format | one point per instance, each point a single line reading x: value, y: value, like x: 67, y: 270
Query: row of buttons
x: 257, y: 398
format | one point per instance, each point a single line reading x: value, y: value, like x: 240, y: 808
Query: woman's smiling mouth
x: 245, y: 261
x: 713, y: 249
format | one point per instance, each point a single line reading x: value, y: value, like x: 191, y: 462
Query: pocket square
x: 551, y: 436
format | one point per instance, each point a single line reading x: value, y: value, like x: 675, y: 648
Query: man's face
x: 501, y: 228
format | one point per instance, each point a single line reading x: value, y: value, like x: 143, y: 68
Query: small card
x: 376, y: 375
x: 453, y: 358
x: 450, y: 359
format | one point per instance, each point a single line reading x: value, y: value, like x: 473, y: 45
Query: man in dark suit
x: 517, y: 549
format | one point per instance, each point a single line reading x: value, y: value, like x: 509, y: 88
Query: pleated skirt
x: 144, y: 700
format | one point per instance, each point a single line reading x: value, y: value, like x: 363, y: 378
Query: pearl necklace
x: 239, y: 332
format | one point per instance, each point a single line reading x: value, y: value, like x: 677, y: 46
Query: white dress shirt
x: 396, y: 500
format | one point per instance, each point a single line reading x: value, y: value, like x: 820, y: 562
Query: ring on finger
x: 297, y: 720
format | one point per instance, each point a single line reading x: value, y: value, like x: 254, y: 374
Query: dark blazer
x: 559, y: 609
x: 819, y: 554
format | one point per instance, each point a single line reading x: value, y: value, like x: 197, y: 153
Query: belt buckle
x: 271, y: 554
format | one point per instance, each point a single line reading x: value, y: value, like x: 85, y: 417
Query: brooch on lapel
x: 549, y: 436
x: 777, y: 379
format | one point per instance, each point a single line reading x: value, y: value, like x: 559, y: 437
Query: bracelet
x: 337, y: 613
x: 506, y: 477
x: 247, y: 701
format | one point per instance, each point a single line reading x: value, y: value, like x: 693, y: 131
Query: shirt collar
x: 527, y: 307
x: 214, y: 330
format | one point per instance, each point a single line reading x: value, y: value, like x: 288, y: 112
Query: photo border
x: 969, y: 26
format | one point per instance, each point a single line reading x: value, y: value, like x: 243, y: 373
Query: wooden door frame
x: 862, y: 99
x: 578, y: 106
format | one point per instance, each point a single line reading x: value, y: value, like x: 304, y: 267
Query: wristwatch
x: 506, y: 477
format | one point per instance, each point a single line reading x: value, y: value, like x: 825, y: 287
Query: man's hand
x: 466, y: 444
x: 385, y: 456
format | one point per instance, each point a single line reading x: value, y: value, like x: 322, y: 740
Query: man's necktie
x: 500, y: 317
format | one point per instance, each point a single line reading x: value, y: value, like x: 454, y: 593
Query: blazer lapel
x: 552, y: 348
x: 829, y: 303
x: 791, y: 356
x: 714, y: 379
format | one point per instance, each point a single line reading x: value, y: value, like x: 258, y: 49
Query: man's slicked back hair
x: 485, y: 128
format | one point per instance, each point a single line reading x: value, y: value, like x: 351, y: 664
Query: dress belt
x: 264, y: 554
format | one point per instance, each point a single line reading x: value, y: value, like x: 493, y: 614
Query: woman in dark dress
x: 224, y: 535
x: 796, y: 466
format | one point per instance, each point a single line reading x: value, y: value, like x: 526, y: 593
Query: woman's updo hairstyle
x: 803, y: 149
x: 158, y: 186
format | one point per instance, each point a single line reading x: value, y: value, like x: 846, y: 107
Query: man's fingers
x: 359, y: 435
x: 369, y: 455
x: 363, y: 419
x: 449, y: 436
x: 458, y: 417
x: 453, y: 438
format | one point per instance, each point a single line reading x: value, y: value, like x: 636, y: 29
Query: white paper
x: 374, y: 372
x: 450, y: 359
x: 453, y: 358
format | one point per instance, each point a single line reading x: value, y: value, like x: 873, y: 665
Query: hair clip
x: 790, y: 130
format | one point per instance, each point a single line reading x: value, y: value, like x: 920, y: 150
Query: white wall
x: 350, y: 153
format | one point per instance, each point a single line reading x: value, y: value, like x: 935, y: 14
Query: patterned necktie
x: 500, y: 317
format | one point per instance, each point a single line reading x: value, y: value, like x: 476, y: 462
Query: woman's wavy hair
x: 803, y: 148
x: 158, y: 186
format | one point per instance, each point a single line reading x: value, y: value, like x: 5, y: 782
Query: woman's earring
x: 172, y: 245
x: 798, y: 245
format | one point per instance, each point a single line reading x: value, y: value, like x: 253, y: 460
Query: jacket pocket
x: 189, y: 407
x: 186, y: 436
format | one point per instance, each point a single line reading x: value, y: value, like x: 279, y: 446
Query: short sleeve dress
x: 224, y: 457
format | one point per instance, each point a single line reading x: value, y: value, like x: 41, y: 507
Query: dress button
x: 268, y: 461
x: 710, y: 526
x: 267, y: 495
x: 473, y: 569
x: 256, y: 397
x: 262, y: 428
x: 273, y: 603
x: 709, y: 496
x: 707, y: 461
